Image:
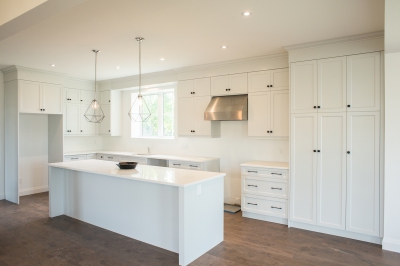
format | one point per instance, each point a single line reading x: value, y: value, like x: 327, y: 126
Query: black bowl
x: 127, y: 165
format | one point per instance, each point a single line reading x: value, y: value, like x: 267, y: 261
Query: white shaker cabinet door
x: 72, y: 95
x: 363, y: 172
x: 331, y: 170
x: 280, y: 79
x: 303, y: 86
x: 363, y: 82
x: 219, y: 85
x: 185, y: 116
x: 73, y: 119
x: 29, y: 97
x: 238, y: 84
x: 52, y: 98
x: 303, y: 170
x: 105, y: 125
x: 201, y: 87
x: 185, y: 88
x: 105, y: 97
x: 332, y: 84
x: 259, y: 123
x: 279, y: 113
x: 86, y: 128
x: 259, y: 81
x: 201, y: 126
x: 87, y: 97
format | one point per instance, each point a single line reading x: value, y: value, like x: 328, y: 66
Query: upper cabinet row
x: 348, y: 83
x: 260, y: 81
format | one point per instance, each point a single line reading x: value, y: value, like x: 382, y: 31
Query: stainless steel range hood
x: 227, y: 108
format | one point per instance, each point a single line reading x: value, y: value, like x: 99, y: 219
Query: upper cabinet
x: 229, y: 84
x: 264, y: 81
x: 37, y: 97
x: 71, y: 95
x: 336, y: 84
x: 363, y: 82
x: 105, y: 97
x: 194, y: 87
x: 110, y: 102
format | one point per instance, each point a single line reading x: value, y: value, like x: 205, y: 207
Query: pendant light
x: 94, y: 113
x: 139, y: 111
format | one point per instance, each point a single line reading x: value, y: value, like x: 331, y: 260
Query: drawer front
x: 108, y: 157
x: 91, y: 156
x: 186, y: 165
x: 265, y: 187
x: 79, y: 157
x: 264, y: 172
x: 264, y: 205
x: 140, y: 160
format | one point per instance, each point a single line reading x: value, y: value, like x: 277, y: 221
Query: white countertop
x: 274, y: 165
x: 146, y: 173
x: 151, y: 156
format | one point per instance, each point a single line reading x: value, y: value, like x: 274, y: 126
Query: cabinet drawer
x: 140, y: 160
x: 264, y: 205
x: 186, y: 165
x: 79, y: 157
x: 264, y: 187
x: 108, y: 157
x: 91, y: 156
x: 263, y: 172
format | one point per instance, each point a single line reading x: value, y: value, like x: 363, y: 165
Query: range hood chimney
x: 227, y: 108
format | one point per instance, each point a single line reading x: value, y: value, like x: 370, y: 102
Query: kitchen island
x: 175, y: 209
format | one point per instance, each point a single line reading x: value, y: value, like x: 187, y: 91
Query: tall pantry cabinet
x: 335, y: 143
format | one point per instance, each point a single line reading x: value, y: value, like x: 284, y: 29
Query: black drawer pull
x: 251, y: 203
x: 276, y: 174
x: 110, y: 157
x: 278, y: 188
x: 272, y: 207
x: 74, y: 158
x: 252, y: 171
x: 252, y: 185
x: 193, y: 166
x: 176, y: 164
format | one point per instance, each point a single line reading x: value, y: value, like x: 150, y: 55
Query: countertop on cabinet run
x: 150, y: 156
x: 146, y: 173
x: 275, y: 165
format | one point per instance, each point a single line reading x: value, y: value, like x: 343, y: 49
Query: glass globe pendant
x: 94, y: 113
x: 139, y: 111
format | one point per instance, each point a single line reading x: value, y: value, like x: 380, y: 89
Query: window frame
x: 137, y: 131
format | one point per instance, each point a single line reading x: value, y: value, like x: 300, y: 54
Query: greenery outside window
x: 161, y: 122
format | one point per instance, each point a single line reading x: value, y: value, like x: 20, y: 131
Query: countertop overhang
x: 146, y: 173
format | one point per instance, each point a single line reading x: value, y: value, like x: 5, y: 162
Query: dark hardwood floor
x: 29, y: 237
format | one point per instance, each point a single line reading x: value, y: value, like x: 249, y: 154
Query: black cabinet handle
x: 270, y: 132
x: 278, y: 188
x: 81, y: 100
x: 81, y: 130
x: 252, y: 185
x: 315, y: 150
x: 251, y: 203
x: 176, y: 164
x: 252, y: 171
x: 267, y: 131
x: 110, y: 157
x: 272, y: 207
x: 271, y: 86
x: 348, y: 105
x: 348, y: 152
x: 193, y: 166
x: 44, y: 109
x: 315, y: 107
x: 74, y: 158
x: 318, y: 150
x: 276, y: 174
x: 268, y: 86
x: 109, y: 101
x: 319, y: 106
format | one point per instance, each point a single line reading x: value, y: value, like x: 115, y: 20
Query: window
x: 161, y: 122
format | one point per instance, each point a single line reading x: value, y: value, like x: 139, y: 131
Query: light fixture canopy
x: 94, y: 113
x: 224, y: 46
x: 246, y: 13
x: 139, y: 111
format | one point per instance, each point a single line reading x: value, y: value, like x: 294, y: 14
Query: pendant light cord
x: 95, y: 73
x: 140, y: 66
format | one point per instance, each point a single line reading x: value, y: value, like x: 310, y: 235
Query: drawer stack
x: 265, y: 191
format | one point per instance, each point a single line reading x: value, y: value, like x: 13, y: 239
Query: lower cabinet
x: 211, y: 165
x: 265, y: 191
x: 140, y: 160
x: 107, y: 157
x: 77, y: 157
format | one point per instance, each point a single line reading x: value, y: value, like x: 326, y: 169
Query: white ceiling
x: 184, y: 32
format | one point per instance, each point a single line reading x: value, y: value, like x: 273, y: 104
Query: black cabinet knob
x: 194, y: 92
x: 319, y: 106
x: 348, y: 105
x: 348, y: 152
x: 318, y: 151
x: 315, y: 150
x: 267, y: 131
x: 268, y: 86
x: 315, y: 107
x: 270, y: 132
x: 81, y: 130
x: 109, y: 101
x: 271, y: 86
x: 81, y: 100
x: 109, y: 130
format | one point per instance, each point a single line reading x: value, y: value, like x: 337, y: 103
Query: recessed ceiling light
x: 53, y: 65
x: 246, y: 13
x: 162, y: 59
x: 117, y: 67
x: 224, y: 46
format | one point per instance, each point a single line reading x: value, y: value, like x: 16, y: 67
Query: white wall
x: 391, y: 240
x: 233, y: 148
x: 33, y: 153
x: 2, y: 192
x: 88, y: 143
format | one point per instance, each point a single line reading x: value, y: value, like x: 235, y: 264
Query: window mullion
x: 160, y: 114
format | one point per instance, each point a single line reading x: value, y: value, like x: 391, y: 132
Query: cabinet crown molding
x: 371, y: 35
x: 18, y: 68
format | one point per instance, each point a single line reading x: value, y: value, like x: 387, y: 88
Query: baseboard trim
x: 265, y: 218
x: 391, y: 244
x: 337, y: 232
x: 33, y: 190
